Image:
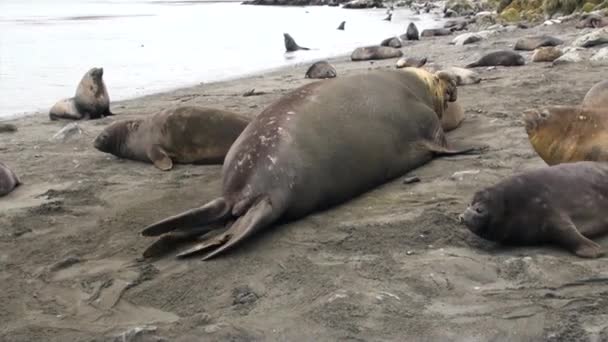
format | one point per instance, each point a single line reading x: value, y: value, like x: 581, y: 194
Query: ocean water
x: 151, y: 46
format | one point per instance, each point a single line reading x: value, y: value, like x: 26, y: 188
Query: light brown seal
x: 563, y: 205
x: 546, y: 54
x: 91, y: 100
x: 597, y: 96
x: 185, y: 135
x: 316, y: 147
x: 375, y: 52
x: 562, y: 134
x: 8, y: 180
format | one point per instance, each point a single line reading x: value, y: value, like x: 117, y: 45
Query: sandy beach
x: 392, y: 264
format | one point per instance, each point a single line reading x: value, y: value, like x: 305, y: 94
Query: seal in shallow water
x: 562, y: 134
x: 290, y: 44
x: 184, y: 135
x: 91, y: 100
x: 597, y: 96
x: 319, y: 146
x: 8, y: 180
x: 502, y: 58
x: 563, y: 205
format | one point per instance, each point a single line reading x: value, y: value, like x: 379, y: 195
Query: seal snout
x: 530, y: 118
x: 474, y: 217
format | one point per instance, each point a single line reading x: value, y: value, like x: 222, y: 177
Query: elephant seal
x: 412, y: 32
x: 290, y: 44
x: 8, y: 180
x: 375, y: 52
x: 532, y: 43
x: 184, y: 135
x: 436, y: 32
x: 342, y: 24
x: 410, y: 62
x: 452, y: 117
x: 562, y: 134
x: 463, y: 76
x: 91, y: 100
x: 562, y: 205
x: 7, y: 128
x: 502, y: 58
x: 321, y: 69
x: 393, y: 42
x: 592, y: 21
x: 546, y: 54
x: 456, y: 24
x: 298, y: 156
x: 597, y: 96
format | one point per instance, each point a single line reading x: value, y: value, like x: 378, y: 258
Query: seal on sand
x: 90, y: 102
x: 341, y: 27
x: 321, y: 69
x: 290, y: 44
x: 392, y: 42
x: 436, y: 32
x: 375, y: 52
x: 8, y: 180
x: 452, y: 117
x: 410, y: 62
x: 546, y: 54
x: 531, y: 43
x: 412, y: 32
x: 597, y: 96
x: 592, y: 21
x: 562, y: 134
x: 502, y: 58
x: 184, y: 135
x: 562, y: 205
x: 463, y: 76
x: 7, y: 128
x: 298, y: 156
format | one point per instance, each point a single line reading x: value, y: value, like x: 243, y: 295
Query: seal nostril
x: 461, y: 218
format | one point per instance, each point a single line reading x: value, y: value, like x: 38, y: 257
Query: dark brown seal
x: 316, y: 147
x: 534, y: 42
x: 290, y: 44
x: 563, y: 205
x: 184, y: 135
x: 321, y: 69
x: 597, y: 96
x: 436, y: 32
x: 562, y: 134
x: 499, y: 58
x: 375, y: 52
x: 8, y: 180
x: 91, y: 100
x: 392, y: 42
x: 412, y: 32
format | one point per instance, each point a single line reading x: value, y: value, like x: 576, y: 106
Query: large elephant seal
x: 299, y: 156
x: 321, y: 69
x: 412, y: 32
x: 8, y: 180
x: 375, y: 52
x: 563, y: 205
x: 290, y: 44
x: 91, y: 100
x: 562, y: 134
x: 499, y: 58
x: 534, y: 42
x: 184, y: 135
x: 597, y: 96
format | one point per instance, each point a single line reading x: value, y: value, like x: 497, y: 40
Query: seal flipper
x: 258, y: 216
x: 567, y: 236
x: 214, y: 211
x: 160, y: 158
x: 168, y: 242
x: 447, y: 151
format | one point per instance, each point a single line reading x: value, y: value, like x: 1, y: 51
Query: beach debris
x: 64, y: 263
x: 7, y: 128
x: 67, y: 132
x: 252, y: 92
x: 459, y: 175
x: 139, y: 334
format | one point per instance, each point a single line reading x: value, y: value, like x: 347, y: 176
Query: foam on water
x: 146, y: 47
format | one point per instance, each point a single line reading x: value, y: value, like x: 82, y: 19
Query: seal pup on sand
x: 91, y: 100
x: 375, y: 52
x: 562, y: 134
x: 563, y: 205
x: 321, y: 69
x: 316, y: 147
x: 185, y: 135
x: 499, y: 58
x: 412, y: 32
x: 597, y: 96
x: 8, y: 180
x: 452, y: 117
x: 410, y: 62
x: 534, y: 42
x: 392, y: 42
x: 290, y: 44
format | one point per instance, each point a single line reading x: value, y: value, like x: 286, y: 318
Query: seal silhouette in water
x: 563, y: 205
x: 341, y: 27
x: 290, y: 44
x: 298, y: 156
x: 91, y: 100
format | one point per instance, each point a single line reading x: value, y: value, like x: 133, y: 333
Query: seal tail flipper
x: 168, y: 242
x: 212, y: 212
x: 257, y: 216
x: 570, y: 238
x: 472, y: 65
x: 439, y: 150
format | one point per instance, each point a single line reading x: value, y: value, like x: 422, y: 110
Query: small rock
x: 600, y: 58
x: 594, y: 38
x: 460, y: 174
x: 67, y: 132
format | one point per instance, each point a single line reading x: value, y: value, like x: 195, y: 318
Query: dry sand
x: 392, y: 264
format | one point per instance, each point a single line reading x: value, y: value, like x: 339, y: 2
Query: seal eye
x: 544, y: 114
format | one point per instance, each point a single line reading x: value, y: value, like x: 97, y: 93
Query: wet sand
x: 392, y: 264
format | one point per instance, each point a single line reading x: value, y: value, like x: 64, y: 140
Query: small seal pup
x: 8, y: 180
x: 91, y: 100
x: 534, y: 42
x: 563, y: 205
x: 452, y: 117
x: 375, y: 52
x: 290, y: 44
x: 499, y: 58
x: 546, y: 54
x: 342, y: 24
x: 597, y: 96
x: 405, y: 62
x: 412, y: 32
x: 436, y: 32
x: 563, y: 134
x: 321, y: 69
x: 298, y: 156
x: 392, y: 42
x: 184, y: 135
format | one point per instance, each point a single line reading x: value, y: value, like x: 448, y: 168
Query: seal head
x: 114, y: 138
